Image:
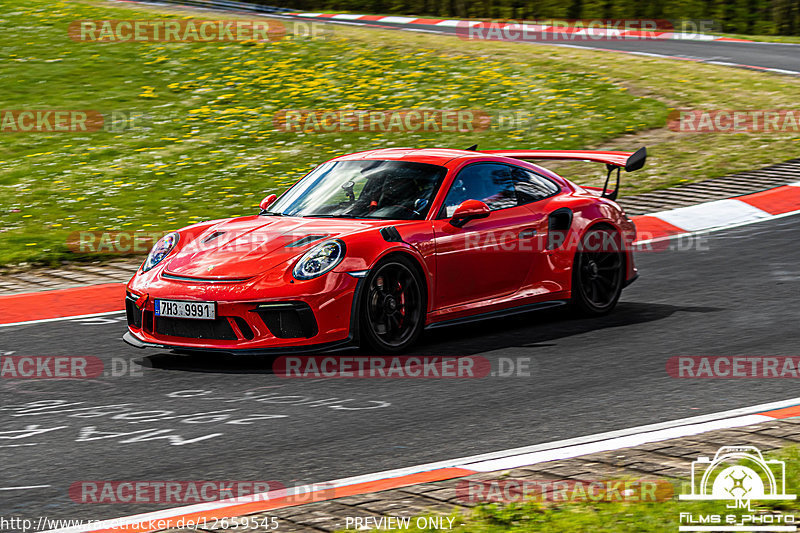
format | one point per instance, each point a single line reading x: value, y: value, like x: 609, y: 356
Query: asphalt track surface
x: 733, y: 292
x: 783, y: 56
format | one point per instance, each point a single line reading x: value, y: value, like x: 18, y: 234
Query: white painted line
x: 694, y: 37
x: 620, y: 438
x: 343, y: 23
x: 569, y: 452
x: 648, y: 54
x: 701, y: 419
x: 795, y: 184
x: 455, y: 23
x: 421, y: 31
x: 782, y: 71
x: 26, y: 488
x: 771, y: 44
x: 534, y: 28
x: 59, y: 319
x: 398, y: 20
x: 308, y: 14
x: 347, y: 16
x: 711, y: 215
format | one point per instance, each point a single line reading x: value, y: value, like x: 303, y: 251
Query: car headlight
x: 320, y: 259
x: 160, y: 250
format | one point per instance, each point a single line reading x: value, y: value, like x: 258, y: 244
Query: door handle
x: 527, y: 233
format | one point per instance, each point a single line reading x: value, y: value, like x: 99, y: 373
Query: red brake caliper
x: 401, y: 302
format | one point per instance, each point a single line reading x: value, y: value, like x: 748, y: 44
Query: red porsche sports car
x: 376, y: 246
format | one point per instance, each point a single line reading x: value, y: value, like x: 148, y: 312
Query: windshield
x: 392, y: 190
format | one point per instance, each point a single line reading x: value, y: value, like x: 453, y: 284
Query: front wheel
x: 598, y: 273
x: 393, y: 306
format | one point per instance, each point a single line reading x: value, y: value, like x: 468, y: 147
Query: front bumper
x: 250, y: 318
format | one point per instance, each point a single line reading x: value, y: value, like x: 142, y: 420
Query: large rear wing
x: 630, y: 161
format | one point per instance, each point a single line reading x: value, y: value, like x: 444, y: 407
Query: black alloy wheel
x: 598, y: 273
x: 393, y: 306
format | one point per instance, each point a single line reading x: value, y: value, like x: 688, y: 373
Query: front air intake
x: 218, y: 329
x: 133, y: 313
x: 288, y: 320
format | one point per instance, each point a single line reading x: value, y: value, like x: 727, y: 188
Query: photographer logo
x: 737, y: 475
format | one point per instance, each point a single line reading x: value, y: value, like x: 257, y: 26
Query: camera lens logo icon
x: 738, y: 482
x: 738, y: 473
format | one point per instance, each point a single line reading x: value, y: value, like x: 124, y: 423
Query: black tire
x: 392, y: 307
x: 598, y: 273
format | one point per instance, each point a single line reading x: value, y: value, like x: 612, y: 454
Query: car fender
x: 368, y: 248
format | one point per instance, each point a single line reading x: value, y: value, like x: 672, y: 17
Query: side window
x: 490, y: 183
x: 531, y: 187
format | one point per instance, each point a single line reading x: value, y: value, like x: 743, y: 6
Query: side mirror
x: 469, y: 210
x: 266, y: 202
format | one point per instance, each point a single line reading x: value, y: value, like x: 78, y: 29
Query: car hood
x: 248, y: 246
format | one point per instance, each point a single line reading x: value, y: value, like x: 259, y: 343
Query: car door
x: 489, y: 257
x: 539, y: 195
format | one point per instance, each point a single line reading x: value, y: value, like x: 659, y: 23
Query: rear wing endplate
x: 613, y: 161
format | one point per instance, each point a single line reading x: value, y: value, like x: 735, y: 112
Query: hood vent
x: 212, y: 236
x: 305, y: 240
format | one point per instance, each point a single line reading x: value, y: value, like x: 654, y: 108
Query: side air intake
x: 558, y: 224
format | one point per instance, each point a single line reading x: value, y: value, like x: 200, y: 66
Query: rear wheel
x: 598, y: 273
x: 393, y: 306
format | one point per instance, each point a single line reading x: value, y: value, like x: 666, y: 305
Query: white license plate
x: 179, y: 309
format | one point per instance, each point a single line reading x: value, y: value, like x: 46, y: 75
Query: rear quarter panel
x: 589, y: 211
